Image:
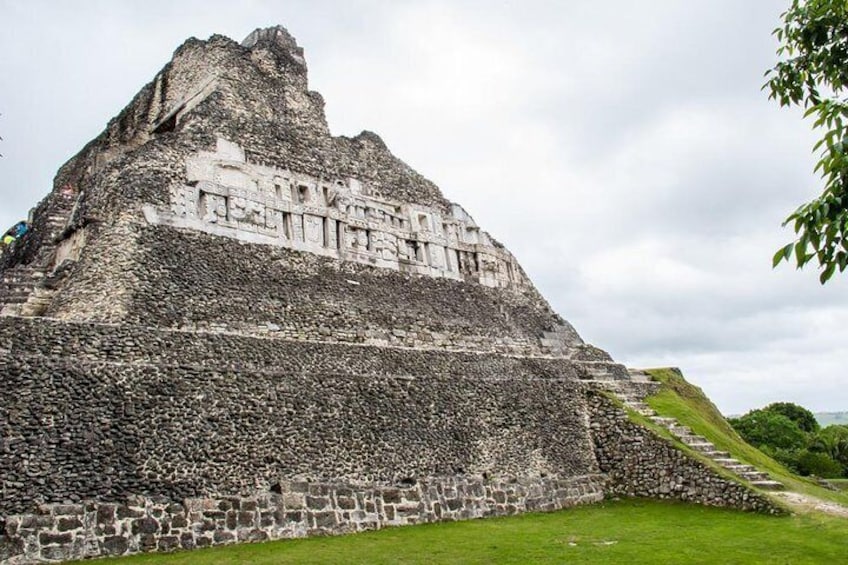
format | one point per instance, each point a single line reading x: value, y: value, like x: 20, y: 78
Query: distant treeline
x: 797, y: 438
x: 826, y: 419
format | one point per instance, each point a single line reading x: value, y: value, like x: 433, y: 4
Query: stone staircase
x: 632, y: 390
x: 560, y: 340
x: 21, y: 293
x: 17, y: 286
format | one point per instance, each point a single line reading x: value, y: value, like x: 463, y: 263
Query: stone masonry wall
x: 299, y: 508
x: 145, y: 413
x: 214, y: 283
x: 119, y: 343
x: 640, y: 463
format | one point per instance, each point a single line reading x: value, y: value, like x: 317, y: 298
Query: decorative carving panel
x: 228, y: 196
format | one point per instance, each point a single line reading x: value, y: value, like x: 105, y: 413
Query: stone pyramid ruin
x: 226, y: 324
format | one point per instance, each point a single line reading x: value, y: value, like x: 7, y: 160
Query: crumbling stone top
x: 275, y: 34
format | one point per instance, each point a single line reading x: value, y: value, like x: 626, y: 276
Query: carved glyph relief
x: 228, y: 196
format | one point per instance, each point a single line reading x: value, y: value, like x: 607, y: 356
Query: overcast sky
x: 623, y: 151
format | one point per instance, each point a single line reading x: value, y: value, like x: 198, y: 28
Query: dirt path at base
x: 807, y: 502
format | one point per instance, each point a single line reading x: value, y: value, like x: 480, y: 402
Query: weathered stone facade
x: 298, y: 509
x: 104, y: 412
x: 228, y: 325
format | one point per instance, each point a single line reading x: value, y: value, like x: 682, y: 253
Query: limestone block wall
x: 104, y: 413
x: 119, y: 343
x: 640, y: 463
x: 297, y: 509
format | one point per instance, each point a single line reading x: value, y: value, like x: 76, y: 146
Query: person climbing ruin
x: 15, y: 233
x: 21, y: 228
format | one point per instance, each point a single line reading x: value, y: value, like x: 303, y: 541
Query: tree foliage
x: 833, y: 440
x: 790, y: 434
x: 813, y: 74
x: 820, y: 464
x: 762, y: 427
x: 802, y: 417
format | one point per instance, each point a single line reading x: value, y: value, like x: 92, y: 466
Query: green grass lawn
x: 628, y: 531
x: 687, y: 403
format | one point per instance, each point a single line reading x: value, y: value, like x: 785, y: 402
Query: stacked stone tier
x: 105, y: 411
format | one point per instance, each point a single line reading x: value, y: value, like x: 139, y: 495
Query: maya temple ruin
x: 227, y: 325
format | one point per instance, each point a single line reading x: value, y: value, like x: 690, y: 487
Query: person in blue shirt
x: 21, y: 228
x: 15, y: 232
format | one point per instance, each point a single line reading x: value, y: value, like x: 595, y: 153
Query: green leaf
x: 783, y: 253
x: 827, y: 273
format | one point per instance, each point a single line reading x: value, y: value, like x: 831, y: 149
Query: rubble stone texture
x: 228, y: 325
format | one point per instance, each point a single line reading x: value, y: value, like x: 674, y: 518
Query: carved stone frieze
x: 226, y: 195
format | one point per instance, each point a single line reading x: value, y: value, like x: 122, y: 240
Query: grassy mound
x: 631, y: 531
x: 686, y: 402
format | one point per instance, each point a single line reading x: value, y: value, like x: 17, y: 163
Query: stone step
x: 598, y: 377
x: 745, y: 468
x: 637, y: 405
x: 703, y: 447
x: 605, y: 369
x: 717, y: 454
x: 755, y: 476
x: 633, y: 402
x: 19, y: 277
x: 736, y: 466
x: 37, y: 304
x: 664, y: 421
x: 599, y: 372
x: 741, y: 469
x: 768, y: 485
x: 14, y: 286
x: 20, y: 284
x: 13, y: 296
x: 9, y: 309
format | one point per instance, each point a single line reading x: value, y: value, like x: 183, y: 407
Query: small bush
x: 819, y: 464
x: 786, y: 457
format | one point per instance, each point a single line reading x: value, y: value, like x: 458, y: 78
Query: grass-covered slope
x: 632, y: 531
x: 679, y: 399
